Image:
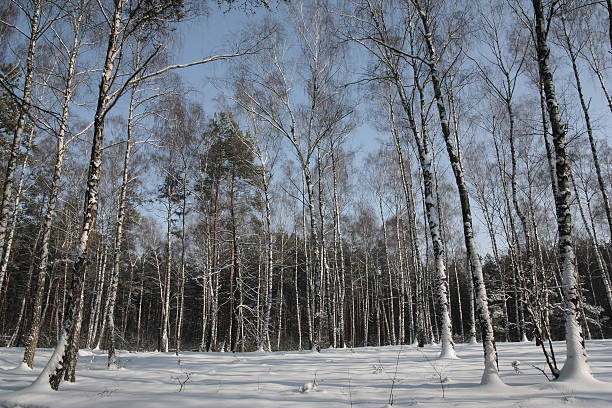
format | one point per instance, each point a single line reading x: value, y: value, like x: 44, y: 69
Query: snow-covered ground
x: 361, y: 377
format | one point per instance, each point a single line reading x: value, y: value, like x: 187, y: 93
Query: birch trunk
x: 269, y: 259
x: 587, y: 118
x: 425, y: 158
x: 98, y: 301
x: 576, y: 364
x: 601, y: 264
x: 340, y: 250
x: 117, y: 249
x: 389, y: 275
x: 490, y: 374
x: 297, y: 295
x: 430, y: 204
x: 166, y: 287
x: 8, y: 244
x: 56, y: 367
x: 181, y: 294
x: 24, y: 106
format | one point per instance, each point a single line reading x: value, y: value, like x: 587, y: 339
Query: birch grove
x: 360, y: 173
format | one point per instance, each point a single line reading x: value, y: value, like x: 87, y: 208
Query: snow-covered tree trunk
x: 513, y: 247
x: 490, y: 373
x: 430, y: 203
x: 576, y: 365
x: 366, y: 298
x: 426, y: 160
x: 71, y: 354
x: 316, y: 272
x: 407, y: 336
x: 56, y: 367
x: 488, y: 216
x: 140, y: 301
x: 406, y: 178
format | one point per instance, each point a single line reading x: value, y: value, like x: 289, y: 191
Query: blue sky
x: 216, y: 34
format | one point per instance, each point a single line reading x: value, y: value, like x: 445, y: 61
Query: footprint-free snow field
x: 401, y: 376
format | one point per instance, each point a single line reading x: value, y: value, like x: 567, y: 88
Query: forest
x: 370, y: 173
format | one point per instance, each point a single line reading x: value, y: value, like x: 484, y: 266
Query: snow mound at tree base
x: 22, y: 368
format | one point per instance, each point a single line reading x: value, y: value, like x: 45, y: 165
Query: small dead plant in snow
x: 394, y: 380
x: 439, y: 373
x: 183, y: 378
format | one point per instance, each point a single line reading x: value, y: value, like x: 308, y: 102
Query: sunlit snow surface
x: 362, y: 377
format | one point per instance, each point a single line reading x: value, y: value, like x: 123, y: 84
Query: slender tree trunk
x: 309, y: 278
x: 8, y: 243
x: 181, y: 294
x: 490, y: 374
x: 459, y: 301
x: 323, y: 268
x: 599, y: 71
x: 98, y: 301
x: 389, y: 275
x: 609, y: 6
x: 56, y: 367
x: 576, y: 364
x: 117, y: 248
x: 140, y: 301
x: 297, y: 291
x: 339, y: 248
x: 601, y: 264
x: 426, y: 160
x: 430, y: 206
x: 166, y: 287
x: 24, y: 108
x: 280, y: 327
x: 587, y: 119
x: 269, y: 260
x: 26, y: 292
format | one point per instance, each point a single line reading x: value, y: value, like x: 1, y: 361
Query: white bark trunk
x: 55, y: 368
x: 576, y: 365
x: 7, y: 191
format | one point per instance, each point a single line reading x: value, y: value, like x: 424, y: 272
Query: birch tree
x: 71, y: 50
x: 576, y: 365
